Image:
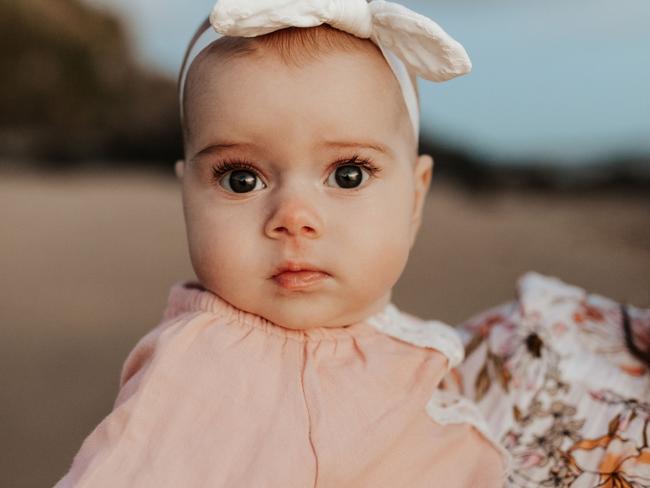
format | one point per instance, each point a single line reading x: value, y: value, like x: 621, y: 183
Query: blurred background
x: 542, y: 162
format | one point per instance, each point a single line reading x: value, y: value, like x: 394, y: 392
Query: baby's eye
x: 242, y: 181
x: 351, y: 174
x: 237, y: 177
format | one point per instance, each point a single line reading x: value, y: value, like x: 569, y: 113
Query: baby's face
x: 270, y: 180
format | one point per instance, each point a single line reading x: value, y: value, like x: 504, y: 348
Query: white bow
x: 410, y: 42
x: 425, y: 48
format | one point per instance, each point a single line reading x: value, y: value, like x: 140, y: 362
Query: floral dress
x: 552, y: 375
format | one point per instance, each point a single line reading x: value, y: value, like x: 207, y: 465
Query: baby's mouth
x: 294, y: 275
x: 297, y: 280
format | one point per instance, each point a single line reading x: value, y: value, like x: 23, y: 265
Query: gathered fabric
x: 214, y: 396
x: 559, y: 387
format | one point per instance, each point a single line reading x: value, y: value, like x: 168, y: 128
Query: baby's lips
x: 295, y: 265
x: 294, y: 274
x: 293, y: 280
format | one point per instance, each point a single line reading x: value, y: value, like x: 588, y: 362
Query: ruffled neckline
x: 190, y: 296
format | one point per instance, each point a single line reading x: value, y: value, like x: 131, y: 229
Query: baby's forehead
x: 295, y: 51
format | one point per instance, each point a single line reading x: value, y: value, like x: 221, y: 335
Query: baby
x: 285, y: 364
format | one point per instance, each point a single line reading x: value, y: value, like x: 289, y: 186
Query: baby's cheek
x: 218, y: 246
x: 381, y: 261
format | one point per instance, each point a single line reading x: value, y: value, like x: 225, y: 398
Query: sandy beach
x: 87, y: 261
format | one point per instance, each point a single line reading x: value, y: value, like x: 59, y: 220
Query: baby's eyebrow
x: 215, y: 148
x: 375, y: 146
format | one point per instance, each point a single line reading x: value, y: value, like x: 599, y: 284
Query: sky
x: 564, y: 82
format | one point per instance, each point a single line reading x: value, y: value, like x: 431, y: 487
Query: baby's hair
x: 294, y: 45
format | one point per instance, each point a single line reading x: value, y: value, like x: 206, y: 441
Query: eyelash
x: 223, y: 167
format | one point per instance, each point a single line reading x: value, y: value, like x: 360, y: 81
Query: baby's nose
x: 293, y: 217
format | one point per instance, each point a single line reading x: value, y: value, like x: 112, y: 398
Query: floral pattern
x: 558, y: 387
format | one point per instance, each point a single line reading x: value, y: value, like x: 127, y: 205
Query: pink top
x: 218, y: 397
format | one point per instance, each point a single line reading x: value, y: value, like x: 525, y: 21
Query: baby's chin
x: 313, y: 314
x: 308, y: 313
x: 300, y: 321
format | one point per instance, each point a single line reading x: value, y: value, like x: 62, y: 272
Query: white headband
x: 408, y: 40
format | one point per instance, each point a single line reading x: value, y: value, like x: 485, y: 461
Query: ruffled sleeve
x: 140, y: 357
x: 446, y: 406
x: 137, y: 362
x: 432, y: 334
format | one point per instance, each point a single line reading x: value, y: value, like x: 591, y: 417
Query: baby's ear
x: 179, y: 168
x: 423, y: 174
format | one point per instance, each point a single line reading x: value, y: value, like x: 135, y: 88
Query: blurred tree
x: 71, y: 90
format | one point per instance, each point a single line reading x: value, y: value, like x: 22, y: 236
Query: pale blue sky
x: 564, y: 81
